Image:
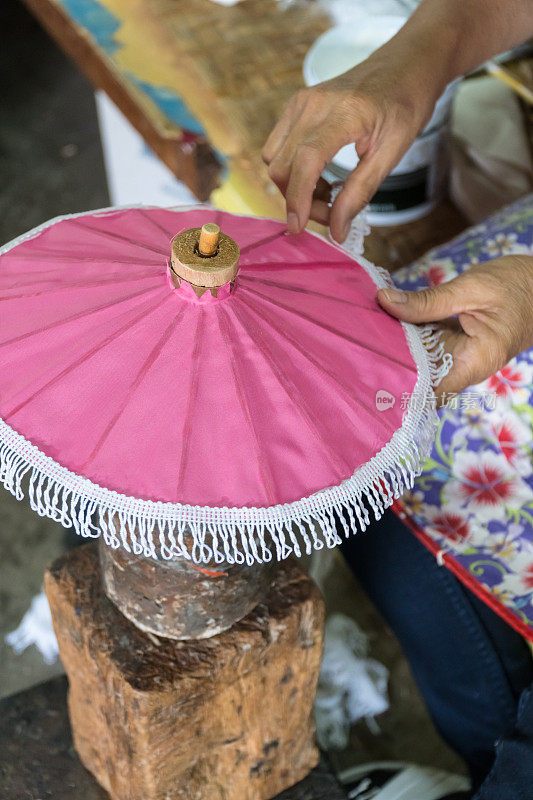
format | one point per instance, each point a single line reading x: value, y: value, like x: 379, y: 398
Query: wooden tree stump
x: 226, y: 718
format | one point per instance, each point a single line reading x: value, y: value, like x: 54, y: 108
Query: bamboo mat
x: 240, y: 64
x: 224, y: 73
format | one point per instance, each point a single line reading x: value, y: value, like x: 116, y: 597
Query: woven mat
x: 244, y: 61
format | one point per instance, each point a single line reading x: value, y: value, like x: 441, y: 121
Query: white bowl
x: 342, y: 47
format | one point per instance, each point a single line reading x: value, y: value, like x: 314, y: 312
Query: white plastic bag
x: 36, y: 628
x: 351, y: 686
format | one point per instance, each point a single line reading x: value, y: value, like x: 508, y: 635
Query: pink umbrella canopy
x: 245, y: 422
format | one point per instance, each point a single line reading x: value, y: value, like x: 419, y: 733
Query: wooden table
x: 204, y: 84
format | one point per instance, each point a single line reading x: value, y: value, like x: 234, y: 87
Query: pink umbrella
x: 246, y: 420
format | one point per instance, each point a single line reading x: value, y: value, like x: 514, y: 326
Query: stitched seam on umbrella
x: 264, y: 470
x: 351, y: 401
x: 112, y: 337
x: 147, y: 365
x: 289, y: 388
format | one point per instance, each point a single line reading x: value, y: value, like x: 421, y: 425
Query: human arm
x: 383, y: 103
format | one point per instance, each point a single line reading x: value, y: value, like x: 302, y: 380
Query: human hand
x: 381, y: 105
x: 486, y: 314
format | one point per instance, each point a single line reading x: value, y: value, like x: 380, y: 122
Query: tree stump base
x: 226, y: 718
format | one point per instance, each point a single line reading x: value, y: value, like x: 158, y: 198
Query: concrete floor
x: 51, y: 163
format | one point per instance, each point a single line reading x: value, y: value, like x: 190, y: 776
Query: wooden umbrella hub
x: 205, y: 258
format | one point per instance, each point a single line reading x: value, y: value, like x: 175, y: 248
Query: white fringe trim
x: 235, y: 535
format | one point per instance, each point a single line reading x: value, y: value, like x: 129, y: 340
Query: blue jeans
x: 472, y: 669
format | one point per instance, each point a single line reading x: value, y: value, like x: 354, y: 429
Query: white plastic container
x: 418, y: 182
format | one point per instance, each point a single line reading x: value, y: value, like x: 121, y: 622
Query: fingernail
x: 395, y: 296
x: 293, y: 224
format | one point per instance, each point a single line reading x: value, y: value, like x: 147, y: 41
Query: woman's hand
x: 381, y: 105
x: 487, y: 315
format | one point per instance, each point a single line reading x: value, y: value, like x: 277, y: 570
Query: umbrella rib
x: 81, y: 359
x: 118, y: 236
x: 191, y: 398
x: 49, y: 275
x: 154, y: 222
x: 290, y: 390
x: 50, y: 255
x: 303, y: 290
x: 328, y: 327
x: 307, y: 355
x: 77, y: 315
x: 265, y: 472
x: 152, y: 358
x: 305, y: 265
x: 261, y: 242
x: 81, y: 285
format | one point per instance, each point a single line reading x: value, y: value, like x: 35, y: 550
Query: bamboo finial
x: 204, y: 257
x: 209, y: 238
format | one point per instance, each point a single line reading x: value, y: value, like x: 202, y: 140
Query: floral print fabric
x: 473, y: 504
